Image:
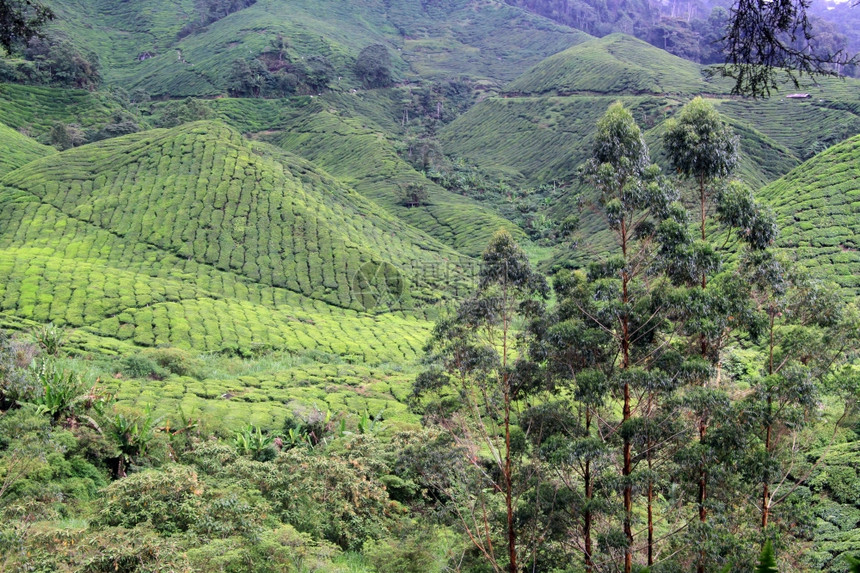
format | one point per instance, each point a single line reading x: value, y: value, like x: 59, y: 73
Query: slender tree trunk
x: 589, y: 565
x: 765, y: 495
x: 765, y: 501
x: 625, y: 364
x: 509, y: 499
x: 589, y: 493
x: 703, y: 423
x: 506, y: 389
x: 650, y: 498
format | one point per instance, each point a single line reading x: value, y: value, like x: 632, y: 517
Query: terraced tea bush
x: 17, y: 149
x: 35, y: 110
x: 817, y: 206
x: 617, y: 64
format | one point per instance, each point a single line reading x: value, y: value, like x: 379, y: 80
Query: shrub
x: 169, y: 500
x: 140, y: 366
x: 415, y: 550
x: 328, y: 497
x: 175, y: 361
x: 16, y: 385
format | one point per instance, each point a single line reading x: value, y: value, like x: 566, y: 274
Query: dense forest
x: 423, y: 286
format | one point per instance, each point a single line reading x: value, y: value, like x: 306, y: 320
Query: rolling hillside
x: 613, y: 64
x: 35, y: 109
x: 430, y: 40
x: 818, y: 206
x: 17, y: 149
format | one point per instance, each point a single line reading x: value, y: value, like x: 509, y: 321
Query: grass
x: 818, y: 208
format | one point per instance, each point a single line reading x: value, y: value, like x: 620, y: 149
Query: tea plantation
x: 228, y: 270
x: 818, y: 205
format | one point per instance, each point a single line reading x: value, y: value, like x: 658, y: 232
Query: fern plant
x: 767, y: 560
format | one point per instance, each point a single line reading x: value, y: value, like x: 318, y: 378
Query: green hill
x: 17, y: 149
x: 203, y: 193
x: 364, y: 157
x: 818, y: 208
x: 432, y: 40
x: 35, y: 109
x: 197, y: 239
x: 613, y: 64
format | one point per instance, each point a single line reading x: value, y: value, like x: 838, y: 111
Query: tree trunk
x: 589, y: 493
x: 625, y: 364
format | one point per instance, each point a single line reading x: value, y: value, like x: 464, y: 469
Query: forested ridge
x: 421, y: 286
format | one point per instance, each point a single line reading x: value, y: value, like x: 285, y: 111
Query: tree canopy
x: 20, y: 20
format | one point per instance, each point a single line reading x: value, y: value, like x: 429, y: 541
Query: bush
x: 176, y: 361
x: 373, y: 66
x: 415, y: 550
x: 140, y: 366
x: 16, y: 385
x: 169, y: 500
x: 326, y: 496
x: 50, y: 338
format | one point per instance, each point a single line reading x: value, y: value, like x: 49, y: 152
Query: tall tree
x: 474, y: 354
x: 806, y: 335
x: 632, y: 195
x: 702, y: 148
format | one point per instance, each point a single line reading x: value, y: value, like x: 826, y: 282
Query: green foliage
x: 54, y: 61
x: 767, y: 560
x: 700, y: 146
x: 416, y: 549
x: 61, y: 392
x: 133, y: 433
x: 50, y: 339
x: 251, y: 441
x: 139, y: 366
x: 21, y: 20
x: 168, y: 500
x: 373, y: 66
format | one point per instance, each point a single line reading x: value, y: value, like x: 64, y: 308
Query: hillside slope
x: 431, y: 40
x: 203, y: 193
x: 16, y: 149
x: 195, y: 238
x: 818, y: 209
x: 613, y: 64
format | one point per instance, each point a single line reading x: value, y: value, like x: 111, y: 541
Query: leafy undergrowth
x: 818, y: 208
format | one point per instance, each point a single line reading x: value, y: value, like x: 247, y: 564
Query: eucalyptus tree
x: 575, y: 358
x: 704, y: 150
x: 472, y: 362
x: 634, y: 198
x: 807, y: 333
